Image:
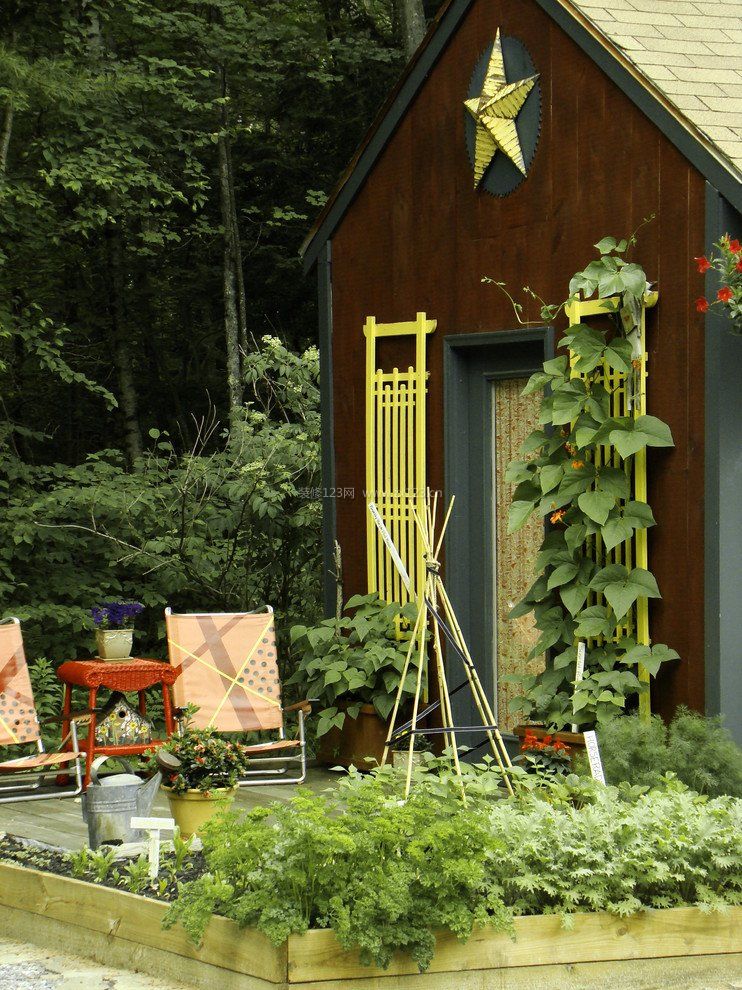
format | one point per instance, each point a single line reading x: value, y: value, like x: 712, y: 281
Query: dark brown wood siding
x: 418, y: 237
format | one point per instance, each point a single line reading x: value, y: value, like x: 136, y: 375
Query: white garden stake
x: 389, y: 543
x: 153, y: 827
x: 579, y: 672
x: 593, y: 755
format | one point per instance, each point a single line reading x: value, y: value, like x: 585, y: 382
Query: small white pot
x: 401, y: 756
x: 114, y: 644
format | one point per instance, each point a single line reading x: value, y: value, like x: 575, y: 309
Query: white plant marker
x: 579, y: 673
x: 153, y: 827
x: 593, y: 755
x: 386, y: 537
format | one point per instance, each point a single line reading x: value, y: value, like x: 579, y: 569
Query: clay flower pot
x: 359, y: 739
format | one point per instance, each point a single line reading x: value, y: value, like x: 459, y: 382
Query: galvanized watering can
x: 109, y: 804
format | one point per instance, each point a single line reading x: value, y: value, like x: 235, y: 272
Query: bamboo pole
x: 427, y: 538
x: 480, y: 698
x: 405, y: 668
x: 416, y: 702
x: 434, y: 592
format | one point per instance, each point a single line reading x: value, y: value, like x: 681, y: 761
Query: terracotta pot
x: 575, y: 740
x: 358, y: 739
x: 114, y: 644
x: 192, y: 809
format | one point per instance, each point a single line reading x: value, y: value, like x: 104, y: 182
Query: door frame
x: 471, y: 361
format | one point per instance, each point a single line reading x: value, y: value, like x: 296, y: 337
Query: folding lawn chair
x: 229, y: 668
x: 23, y: 777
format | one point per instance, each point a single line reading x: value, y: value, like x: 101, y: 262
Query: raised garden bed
x: 125, y: 929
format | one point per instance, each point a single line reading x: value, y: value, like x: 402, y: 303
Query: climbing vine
x: 570, y: 478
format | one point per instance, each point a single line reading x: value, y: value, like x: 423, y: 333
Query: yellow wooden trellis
x: 628, y: 397
x: 395, y: 458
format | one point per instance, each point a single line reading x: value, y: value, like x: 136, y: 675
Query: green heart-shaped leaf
x: 561, y: 575
x: 518, y: 515
x: 596, y: 505
x: 574, y: 597
x: 550, y: 476
x: 607, y: 575
x: 639, y: 514
x: 616, y: 530
x: 614, y: 481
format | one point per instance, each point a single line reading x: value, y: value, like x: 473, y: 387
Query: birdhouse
x: 120, y: 724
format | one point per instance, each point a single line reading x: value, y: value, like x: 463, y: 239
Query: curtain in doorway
x: 515, y: 416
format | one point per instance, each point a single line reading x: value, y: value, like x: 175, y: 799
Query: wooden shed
x: 635, y: 109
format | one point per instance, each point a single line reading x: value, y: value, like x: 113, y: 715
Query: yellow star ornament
x: 495, y: 111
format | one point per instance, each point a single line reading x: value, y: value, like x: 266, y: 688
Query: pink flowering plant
x: 207, y: 762
x: 727, y: 262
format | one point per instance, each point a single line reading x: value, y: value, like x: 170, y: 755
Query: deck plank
x: 59, y: 822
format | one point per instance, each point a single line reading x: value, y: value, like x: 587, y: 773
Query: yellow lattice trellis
x: 395, y: 457
x: 628, y: 397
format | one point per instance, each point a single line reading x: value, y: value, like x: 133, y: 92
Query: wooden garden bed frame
x: 123, y: 929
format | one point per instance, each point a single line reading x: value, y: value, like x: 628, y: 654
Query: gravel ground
x: 28, y: 967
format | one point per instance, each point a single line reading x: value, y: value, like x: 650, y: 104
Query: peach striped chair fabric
x: 19, y: 724
x: 229, y: 667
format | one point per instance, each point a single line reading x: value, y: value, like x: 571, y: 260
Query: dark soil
x: 111, y: 873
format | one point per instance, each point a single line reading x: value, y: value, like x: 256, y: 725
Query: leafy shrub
x: 354, y: 660
x: 385, y: 874
x: 207, y: 761
x: 225, y: 527
x: 698, y: 750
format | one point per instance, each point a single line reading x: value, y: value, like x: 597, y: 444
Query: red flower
x: 735, y: 247
x: 738, y: 266
x: 702, y: 305
x: 703, y: 264
x: 558, y: 515
x: 724, y: 294
x: 578, y: 464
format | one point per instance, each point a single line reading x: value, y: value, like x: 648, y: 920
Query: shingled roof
x: 680, y: 61
x: 691, y: 50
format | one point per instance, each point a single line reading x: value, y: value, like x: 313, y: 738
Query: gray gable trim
x: 441, y: 35
x: 687, y: 144
x: 690, y: 146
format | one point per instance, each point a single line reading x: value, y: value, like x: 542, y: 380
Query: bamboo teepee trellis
x: 435, y: 612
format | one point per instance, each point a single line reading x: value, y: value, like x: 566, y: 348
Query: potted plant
x: 727, y: 261
x: 352, y: 664
x: 574, y: 740
x: 400, y: 754
x: 200, y: 772
x: 544, y: 754
x: 114, y: 628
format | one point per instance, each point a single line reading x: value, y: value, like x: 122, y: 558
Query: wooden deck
x: 59, y: 823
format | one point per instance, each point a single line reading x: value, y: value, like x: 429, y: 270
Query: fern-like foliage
x: 385, y: 874
x: 698, y: 750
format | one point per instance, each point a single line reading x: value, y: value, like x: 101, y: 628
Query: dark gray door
x: 486, y: 571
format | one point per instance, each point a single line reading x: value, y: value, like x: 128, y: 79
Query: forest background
x: 160, y: 163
